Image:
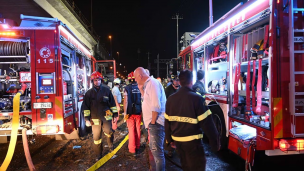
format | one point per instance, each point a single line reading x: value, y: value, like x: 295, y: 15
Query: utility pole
x: 157, y: 65
x: 167, y: 63
x: 92, y: 15
x: 176, y: 17
x: 210, y: 13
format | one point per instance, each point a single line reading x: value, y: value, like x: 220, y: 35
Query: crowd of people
x: 175, y: 116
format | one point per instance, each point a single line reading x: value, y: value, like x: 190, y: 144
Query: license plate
x: 42, y: 105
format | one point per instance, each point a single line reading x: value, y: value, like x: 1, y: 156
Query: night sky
x: 148, y: 25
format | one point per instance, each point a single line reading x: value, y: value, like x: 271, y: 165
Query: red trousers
x: 133, y: 124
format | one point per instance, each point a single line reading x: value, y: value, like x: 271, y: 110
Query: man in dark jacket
x: 99, y: 110
x: 173, y: 87
x: 132, y: 106
x: 199, y: 87
x: 186, y: 117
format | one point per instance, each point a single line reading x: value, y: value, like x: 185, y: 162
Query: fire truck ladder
x: 292, y: 93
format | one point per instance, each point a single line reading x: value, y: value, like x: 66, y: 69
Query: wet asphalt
x: 225, y: 160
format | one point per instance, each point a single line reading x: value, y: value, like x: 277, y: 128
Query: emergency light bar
x: 232, y: 22
x: 7, y: 33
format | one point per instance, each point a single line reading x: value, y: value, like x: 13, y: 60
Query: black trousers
x: 168, y: 146
x: 192, y: 155
x: 97, y: 129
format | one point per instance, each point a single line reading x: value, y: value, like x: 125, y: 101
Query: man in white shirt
x: 153, y: 106
x: 117, y: 94
x: 117, y: 97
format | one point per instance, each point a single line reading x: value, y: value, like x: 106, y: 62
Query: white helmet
x: 117, y: 81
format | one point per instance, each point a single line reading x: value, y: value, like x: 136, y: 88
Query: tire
x: 82, y: 126
x: 219, y: 122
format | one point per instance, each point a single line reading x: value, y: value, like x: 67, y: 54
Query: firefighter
x: 132, y: 108
x: 185, y: 119
x: 199, y: 87
x: 105, y: 82
x: 171, y: 89
x: 99, y: 110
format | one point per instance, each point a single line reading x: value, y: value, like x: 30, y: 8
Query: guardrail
x: 78, y: 14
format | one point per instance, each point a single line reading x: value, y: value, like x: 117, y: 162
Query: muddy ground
x: 49, y: 154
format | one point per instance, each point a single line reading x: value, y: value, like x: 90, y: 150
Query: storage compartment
x: 250, y: 87
x: 242, y: 141
x: 15, y: 74
x: 238, y: 148
x: 69, y: 124
x: 216, y: 67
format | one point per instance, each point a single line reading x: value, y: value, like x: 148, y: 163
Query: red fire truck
x: 254, y: 67
x: 44, y: 57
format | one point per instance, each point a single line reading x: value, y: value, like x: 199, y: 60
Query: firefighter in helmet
x: 171, y: 89
x: 199, y: 87
x: 132, y: 108
x: 99, y: 110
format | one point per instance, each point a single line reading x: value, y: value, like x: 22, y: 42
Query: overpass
x: 64, y: 10
x: 69, y: 14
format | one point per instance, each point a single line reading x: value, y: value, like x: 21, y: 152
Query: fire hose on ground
x: 14, y: 132
x: 107, y: 157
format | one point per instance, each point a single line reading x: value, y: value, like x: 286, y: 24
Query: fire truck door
x: 108, y: 69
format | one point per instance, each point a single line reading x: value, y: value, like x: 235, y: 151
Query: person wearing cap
x: 173, y: 87
x: 199, y: 86
x: 99, y: 110
x: 116, y: 93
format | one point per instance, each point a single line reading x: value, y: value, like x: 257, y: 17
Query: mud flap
x: 72, y: 135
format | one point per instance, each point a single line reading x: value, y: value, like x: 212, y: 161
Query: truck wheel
x: 219, y: 122
x: 82, y: 126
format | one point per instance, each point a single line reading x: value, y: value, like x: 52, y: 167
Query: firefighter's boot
x: 110, y: 142
x: 98, y: 148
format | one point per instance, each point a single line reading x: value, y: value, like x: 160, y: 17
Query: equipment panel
x: 46, y: 83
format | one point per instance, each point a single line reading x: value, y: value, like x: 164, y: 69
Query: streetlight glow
x: 110, y: 37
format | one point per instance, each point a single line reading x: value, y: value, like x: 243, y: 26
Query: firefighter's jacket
x: 199, y: 88
x: 97, y: 102
x: 134, y: 99
x: 187, y: 116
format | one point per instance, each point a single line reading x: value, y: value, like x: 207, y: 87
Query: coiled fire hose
x: 13, y: 48
x: 15, y: 125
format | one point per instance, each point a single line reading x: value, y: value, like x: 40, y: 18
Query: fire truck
x: 108, y: 69
x: 253, y: 62
x: 52, y: 66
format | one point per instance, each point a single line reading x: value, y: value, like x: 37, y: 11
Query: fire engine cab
x: 44, y: 57
x: 253, y: 62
